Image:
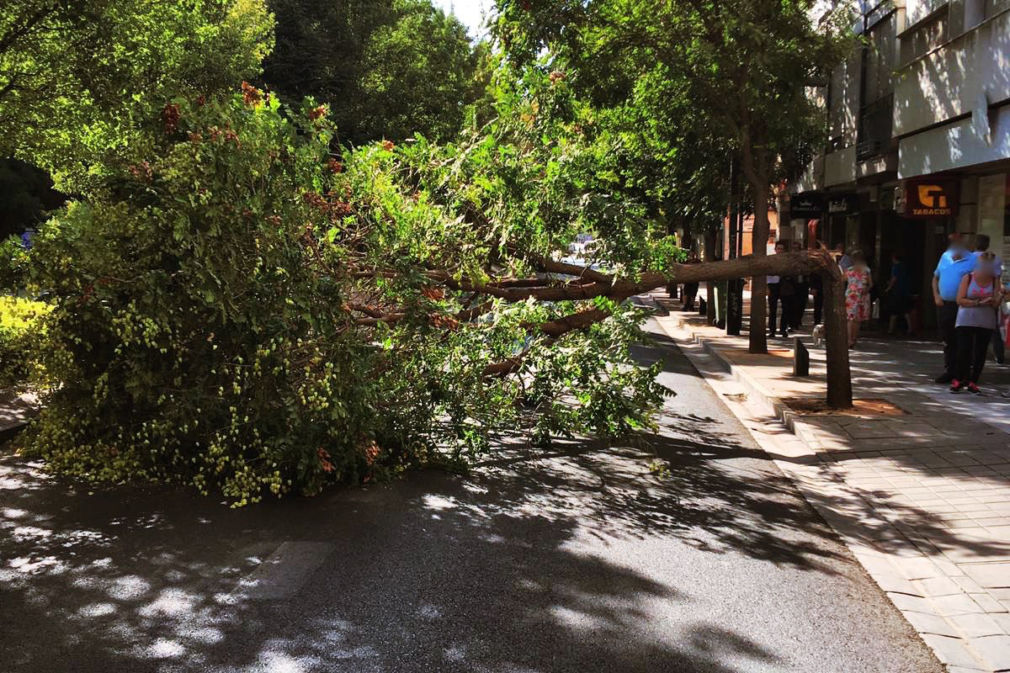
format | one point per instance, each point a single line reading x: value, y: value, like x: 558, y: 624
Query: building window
x: 877, y: 99
x: 843, y: 103
x: 924, y: 37
x: 994, y: 7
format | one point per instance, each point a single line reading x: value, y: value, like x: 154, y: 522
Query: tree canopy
x: 736, y: 76
x: 387, y: 68
x: 76, y: 78
x: 240, y: 302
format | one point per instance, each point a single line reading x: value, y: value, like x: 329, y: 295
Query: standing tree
x: 744, y: 66
x: 76, y: 78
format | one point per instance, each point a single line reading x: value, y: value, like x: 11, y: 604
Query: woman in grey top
x: 978, y: 299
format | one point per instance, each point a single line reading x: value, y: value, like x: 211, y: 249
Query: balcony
x: 875, y: 124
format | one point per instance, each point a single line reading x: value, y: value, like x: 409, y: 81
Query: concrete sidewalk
x: 919, y: 490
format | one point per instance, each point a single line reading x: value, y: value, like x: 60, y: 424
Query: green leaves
x: 78, y: 79
x: 388, y: 68
x: 238, y: 309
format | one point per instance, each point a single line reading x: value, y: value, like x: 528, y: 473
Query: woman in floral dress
x: 857, y: 294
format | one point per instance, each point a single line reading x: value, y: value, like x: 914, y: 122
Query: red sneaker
x: 972, y: 388
x: 956, y: 386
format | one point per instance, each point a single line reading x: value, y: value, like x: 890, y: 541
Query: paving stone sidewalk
x: 921, y: 496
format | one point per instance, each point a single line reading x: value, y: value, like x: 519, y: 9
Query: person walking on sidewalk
x: 978, y: 299
x: 691, y: 289
x: 781, y: 290
x: 954, y: 265
x: 859, y: 282
x: 899, y: 295
x: 843, y: 258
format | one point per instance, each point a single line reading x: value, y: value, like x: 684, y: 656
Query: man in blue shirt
x: 954, y: 265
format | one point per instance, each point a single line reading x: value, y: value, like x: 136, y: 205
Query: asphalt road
x: 574, y: 559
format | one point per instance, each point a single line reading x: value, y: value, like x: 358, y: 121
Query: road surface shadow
x: 436, y: 572
x: 563, y: 559
x: 496, y: 571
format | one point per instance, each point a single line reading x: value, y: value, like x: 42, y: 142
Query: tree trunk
x: 758, y: 338
x: 836, y: 340
x: 587, y: 283
x: 710, y: 287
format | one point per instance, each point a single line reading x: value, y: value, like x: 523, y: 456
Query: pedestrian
x: 859, y: 283
x: 954, y: 264
x: 817, y: 290
x: 802, y: 292
x: 777, y: 297
x: 691, y: 289
x: 844, y: 260
x: 978, y: 299
x: 998, y: 344
x: 898, y: 295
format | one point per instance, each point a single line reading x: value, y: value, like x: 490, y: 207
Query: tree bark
x: 836, y: 339
x: 754, y: 165
x: 709, y: 287
x: 619, y: 289
x: 758, y: 337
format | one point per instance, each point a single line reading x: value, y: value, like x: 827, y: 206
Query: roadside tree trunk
x: 755, y: 168
x: 758, y: 337
x: 710, y: 287
x: 836, y: 339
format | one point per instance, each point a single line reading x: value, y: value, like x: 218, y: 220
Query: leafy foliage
x: 76, y: 77
x: 19, y: 339
x: 735, y: 74
x: 387, y: 68
x: 240, y: 310
x: 419, y: 75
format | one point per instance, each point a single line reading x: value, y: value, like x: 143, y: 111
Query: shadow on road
x: 434, y: 573
x: 581, y: 557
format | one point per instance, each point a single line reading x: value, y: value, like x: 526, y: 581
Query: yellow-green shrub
x: 20, y: 338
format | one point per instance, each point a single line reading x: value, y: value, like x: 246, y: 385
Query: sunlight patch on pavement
x: 163, y: 648
x: 97, y: 610
x: 438, y: 502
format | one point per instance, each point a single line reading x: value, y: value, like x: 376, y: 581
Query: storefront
x: 994, y: 213
x: 806, y: 211
x: 927, y: 210
x: 843, y: 221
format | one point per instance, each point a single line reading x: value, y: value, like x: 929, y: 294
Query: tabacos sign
x: 930, y: 198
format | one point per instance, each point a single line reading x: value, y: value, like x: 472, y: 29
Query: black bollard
x: 801, y: 358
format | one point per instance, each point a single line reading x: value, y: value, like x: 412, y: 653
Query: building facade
x: 919, y: 120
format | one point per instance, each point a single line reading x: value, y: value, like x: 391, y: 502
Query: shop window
x: 993, y: 219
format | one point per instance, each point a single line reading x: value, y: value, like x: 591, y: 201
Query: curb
x: 901, y: 576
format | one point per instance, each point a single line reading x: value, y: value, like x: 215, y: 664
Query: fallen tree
x: 240, y: 310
